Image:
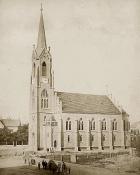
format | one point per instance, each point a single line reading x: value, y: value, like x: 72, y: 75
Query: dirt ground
x: 117, y: 166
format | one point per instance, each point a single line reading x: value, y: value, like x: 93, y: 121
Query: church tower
x: 41, y: 88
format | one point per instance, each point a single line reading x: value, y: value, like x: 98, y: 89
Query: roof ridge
x: 80, y: 93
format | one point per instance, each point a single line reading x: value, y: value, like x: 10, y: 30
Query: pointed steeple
x: 41, y: 42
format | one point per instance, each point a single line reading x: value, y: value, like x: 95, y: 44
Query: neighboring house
x: 11, y: 124
x: 70, y: 121
x: 1, y: 125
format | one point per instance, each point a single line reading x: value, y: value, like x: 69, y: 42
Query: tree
x: 22, y: 134
x: 5, y: 135
x: 18, y: 137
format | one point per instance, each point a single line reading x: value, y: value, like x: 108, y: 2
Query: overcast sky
x: 94, y: 43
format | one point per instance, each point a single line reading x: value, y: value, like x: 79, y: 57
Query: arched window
x: 68, y: 138
x: 55, y: 144
x: 44, y: 70
x: 45, y: 103
x: 34, y: 69
x: 114, y: 125
x: 41, y: 103
x: 103, y: 124
x: 44, y: 99
x: 93, y: 124
x: 68, y: 124
x: 80, y: 124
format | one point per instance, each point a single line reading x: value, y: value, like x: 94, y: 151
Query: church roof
x: 87, y: 104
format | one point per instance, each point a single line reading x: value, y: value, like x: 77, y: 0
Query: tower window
x: 55, y: 144
x: 68, y: 138
x: 68, y: 124
x: 45, y: 103
x: 44, y: 69
x: 44, y: 99
x: 41, y: 103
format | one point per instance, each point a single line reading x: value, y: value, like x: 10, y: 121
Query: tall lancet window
x: 68, y: 124
x: 44, y: 70
x: 92, y: 124
x: 80, y: 124
x: 103, y: 124
x: 114, y: 127
x: 44, y: 99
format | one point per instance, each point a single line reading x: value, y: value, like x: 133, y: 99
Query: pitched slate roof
x: 11, y: 122
x: 87, y: 104
x: 1, y: 124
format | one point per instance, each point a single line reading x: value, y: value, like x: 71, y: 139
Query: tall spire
x: 41, y: 42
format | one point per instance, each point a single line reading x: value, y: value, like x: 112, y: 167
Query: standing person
x: 69, y: 170
x: 39, y: 165
x: 43, y: 164
x: 29, y: 162
x: 59, y: 168
x: 63, y: 167
x: 25, y: 160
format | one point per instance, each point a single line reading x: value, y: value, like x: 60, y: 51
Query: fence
x: 83, y: 158
x: 10, y: 150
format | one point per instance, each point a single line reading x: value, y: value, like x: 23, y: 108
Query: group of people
x: 44, y: 165
x: 52, y: 166
x: 62, y: 167
x: 55, y: 167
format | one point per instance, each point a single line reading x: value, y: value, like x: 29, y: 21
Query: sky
x: 94, y: 46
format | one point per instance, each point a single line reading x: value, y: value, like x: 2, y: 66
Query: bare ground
x: 125, y: 165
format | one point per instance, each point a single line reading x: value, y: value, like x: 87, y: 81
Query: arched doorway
x: 55, y: 144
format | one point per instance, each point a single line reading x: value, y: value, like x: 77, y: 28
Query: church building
x: 65, y: 121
